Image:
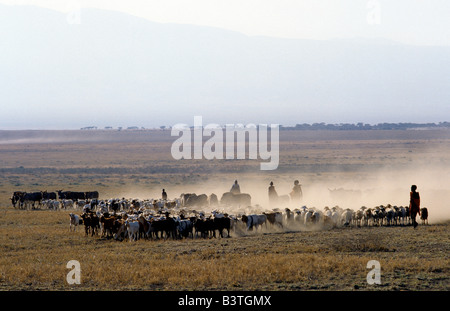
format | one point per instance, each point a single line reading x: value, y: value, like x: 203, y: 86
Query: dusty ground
x: 377, y: 167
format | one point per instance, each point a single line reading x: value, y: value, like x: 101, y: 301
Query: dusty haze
x: 377, y: 188
x: 369, y: 168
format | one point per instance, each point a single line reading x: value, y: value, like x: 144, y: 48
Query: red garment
x: 414, y: 202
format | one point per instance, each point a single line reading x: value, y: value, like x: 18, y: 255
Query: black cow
x: 191, y: 199
x: 31, y: 197
x: 77, y: 195
x: 213, y: 200
x: 48, y: 195
x: 91, y: 195
x: 197, y: 200
x: 17, y: 195
x: 71, y: 195
x: 241, y: 199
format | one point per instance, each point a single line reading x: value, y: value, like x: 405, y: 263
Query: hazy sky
x: 119, y: 70
x: 421, y: 22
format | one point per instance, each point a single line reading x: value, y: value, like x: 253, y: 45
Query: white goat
x: 133, y: 230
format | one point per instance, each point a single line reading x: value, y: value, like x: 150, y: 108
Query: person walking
x: 414, y: 204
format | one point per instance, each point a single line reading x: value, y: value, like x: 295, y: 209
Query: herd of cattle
x: 25, y: 200
x: 193, y: 216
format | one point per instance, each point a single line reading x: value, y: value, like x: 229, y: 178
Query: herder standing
x: 414, y: 204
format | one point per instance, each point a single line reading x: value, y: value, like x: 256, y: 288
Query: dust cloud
x: 369, y: 189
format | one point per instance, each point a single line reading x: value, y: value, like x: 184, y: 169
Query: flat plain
x: 369, y: 167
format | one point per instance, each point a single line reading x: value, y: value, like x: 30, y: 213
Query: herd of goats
x: 194, y: 216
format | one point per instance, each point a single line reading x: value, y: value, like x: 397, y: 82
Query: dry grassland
x: 36, y: 245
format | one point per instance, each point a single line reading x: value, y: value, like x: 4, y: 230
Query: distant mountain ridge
x: 117, y: 69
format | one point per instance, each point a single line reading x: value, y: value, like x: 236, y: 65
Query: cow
x: 241, y: 199
x: 424, y: 215
x: 184, y: 197
x: 15, y: 198
x: 213, y: 200
x: 191, y: 199
x: 253, y: 221
x: 48, y: 195
x: 368, y: 216
x: 91, y: 195
x: 359, y: 216
x: 31, y: 197
x: 377, y: 216
x: 402, y: 215
x: 71, y: 195
x: 408, y: 215
x: 390, y: 213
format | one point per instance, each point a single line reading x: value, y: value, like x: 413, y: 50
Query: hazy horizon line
x: 168, y: 127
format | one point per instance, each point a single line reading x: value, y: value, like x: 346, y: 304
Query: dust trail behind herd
x: 370, y: 189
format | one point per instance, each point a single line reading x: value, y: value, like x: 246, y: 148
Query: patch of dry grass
x: 37, y: 246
